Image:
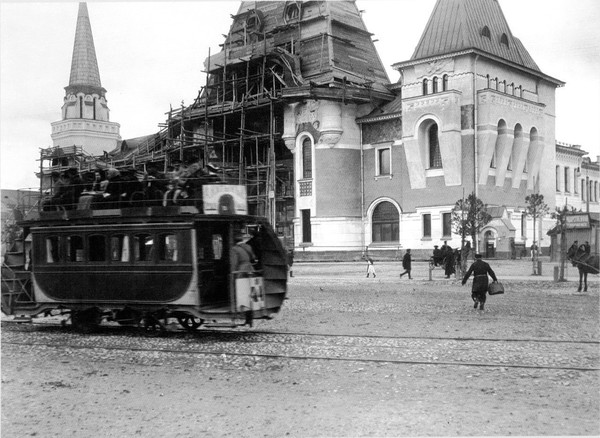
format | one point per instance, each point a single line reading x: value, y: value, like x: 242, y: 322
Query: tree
x: 560, y: 215
x: 469, y: 216
x: 537, y: 209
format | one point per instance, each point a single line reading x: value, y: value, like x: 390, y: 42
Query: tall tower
x: 85, y: 114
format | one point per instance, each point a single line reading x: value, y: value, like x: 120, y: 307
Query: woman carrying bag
x: 480, y: 271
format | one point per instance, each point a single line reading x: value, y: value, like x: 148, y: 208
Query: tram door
x: 213, y: 265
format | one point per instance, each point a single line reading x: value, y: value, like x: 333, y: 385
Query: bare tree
x: 536, y: 209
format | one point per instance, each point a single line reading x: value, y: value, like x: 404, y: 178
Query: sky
x: 151, y: 55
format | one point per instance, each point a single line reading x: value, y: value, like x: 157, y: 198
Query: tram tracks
x: 433, y: 351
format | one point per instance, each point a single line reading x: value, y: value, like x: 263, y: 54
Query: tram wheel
x: 153, y: 326
x: 189, y: 322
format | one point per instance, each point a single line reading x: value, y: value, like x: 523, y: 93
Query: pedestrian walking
x: 406, y: 264
x: 370, y: 267
x: 448, y: 261
x: 480, y: 271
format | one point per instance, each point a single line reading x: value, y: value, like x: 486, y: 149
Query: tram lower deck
x: 149, y: 264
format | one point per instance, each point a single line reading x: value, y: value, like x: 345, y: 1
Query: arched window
x: 435, y: 84
x: 435, y: 156
x: 504, y: 39
x: 497, y: 83
x: 445, y: 83
x: 485, y: 32
x: 487, y: 77
x: 425, y: 87
x: 386, y: 223
x: 307, y: 158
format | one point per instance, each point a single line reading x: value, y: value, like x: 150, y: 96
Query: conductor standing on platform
x: 480, y: 271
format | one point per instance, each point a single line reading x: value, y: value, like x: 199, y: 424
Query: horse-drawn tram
x: 142, y: 265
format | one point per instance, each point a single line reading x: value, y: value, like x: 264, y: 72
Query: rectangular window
x: 427, y: 225
x: 306, y: 227
x: 97, y: 248
x: 52, y: 249
x: 119, y: 248
x: 523, y: 226
x: 575, y: 185
x: 384, y: 165
x: 583, y: 189
x: 168, y: 248
x: 143, y: 245
x: 446, y: 224
x: 567, y: 187
x: 558, y: 178
x: 75, y: 249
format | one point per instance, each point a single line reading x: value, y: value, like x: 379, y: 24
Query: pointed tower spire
x: 85, y: 99
x: 85, y: 75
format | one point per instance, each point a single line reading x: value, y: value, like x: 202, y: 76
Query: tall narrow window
x: 386, y: 223
x: 435, y: 156
x: 575, y: 185
x: 75, y: 249
x: 446, y: 224
x: 94, y: 108
x: 445, y: 83
x: 435, y: 84
x: 558, y: 178
x: 427, y: 225
x: 80, y: 107
x: 425, y: 87
x: 504, y: 39
x: 52, y: 249
x: 523, y: 225
x: 383, y: 161
x: 143, y: 245
x: 307, y: 158
x: 583, y: 195
x: 567, y: 185
x: 306, y: 226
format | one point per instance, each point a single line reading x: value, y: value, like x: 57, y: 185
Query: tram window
x: 143, y: 244
x: 75, y: 249
x: 119, y: 248
x: 168, y: 246
x: 217, y: 246
x: 97, y: 248
x: 52, y: 249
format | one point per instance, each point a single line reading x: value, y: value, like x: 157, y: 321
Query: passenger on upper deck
x: 114, y: 189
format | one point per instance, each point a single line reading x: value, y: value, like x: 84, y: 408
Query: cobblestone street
x: 347, y: 356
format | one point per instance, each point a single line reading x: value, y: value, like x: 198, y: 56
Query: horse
x: 585, y: 262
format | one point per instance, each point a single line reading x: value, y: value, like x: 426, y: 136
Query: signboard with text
x: 577, y: 221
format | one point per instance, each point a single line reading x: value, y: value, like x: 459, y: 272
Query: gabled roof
x: 457, y: 25
x: 85, y: 74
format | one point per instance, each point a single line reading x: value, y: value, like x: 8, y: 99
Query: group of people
x: 479, y: 269
x: 449, y: 258
x: 114, y: 188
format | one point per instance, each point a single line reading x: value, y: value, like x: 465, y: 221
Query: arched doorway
x: 489, y: 244
x: 385, y: 223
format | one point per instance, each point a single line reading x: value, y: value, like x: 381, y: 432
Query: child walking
x: 370, y: 267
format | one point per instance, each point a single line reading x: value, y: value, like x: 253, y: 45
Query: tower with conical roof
x: 476, y: 115
x: 85, y: 114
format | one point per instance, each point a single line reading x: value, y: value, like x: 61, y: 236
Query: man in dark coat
x: 480, y: 271
x: 406, y: 264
